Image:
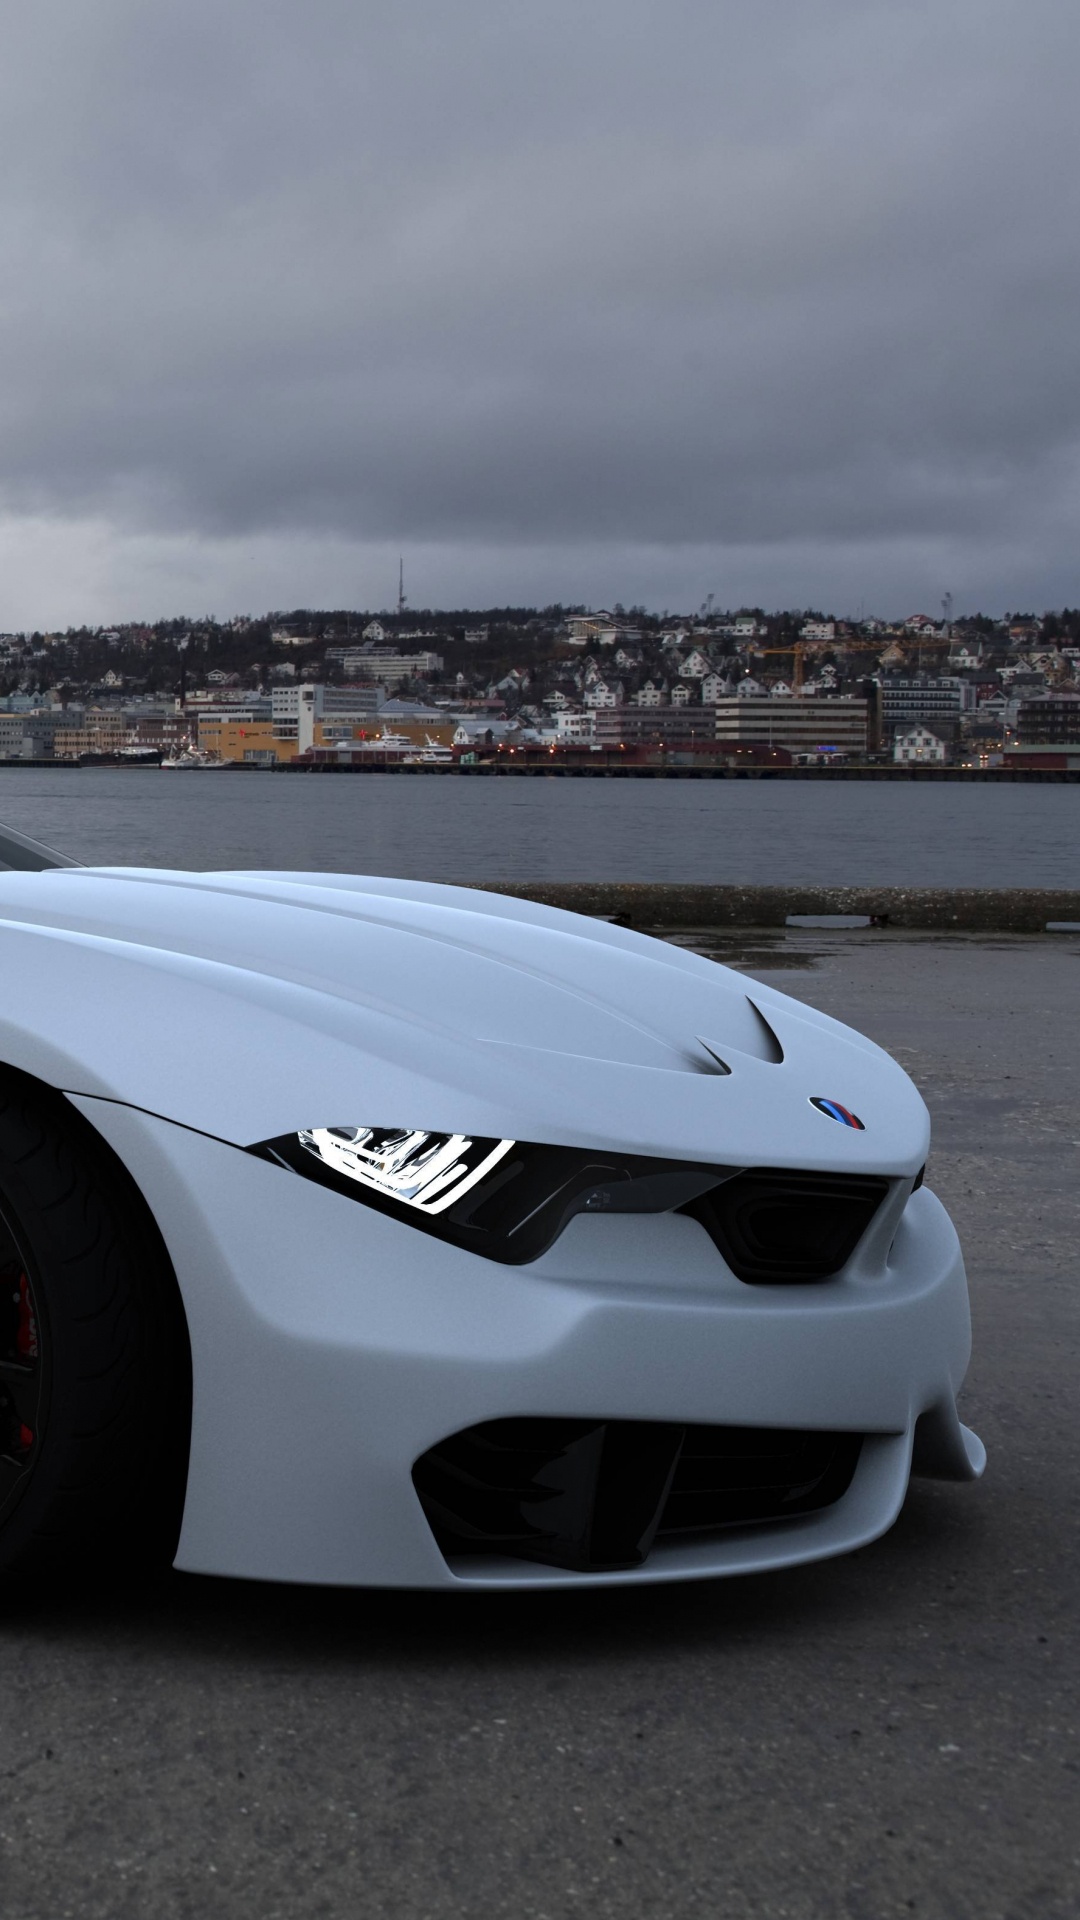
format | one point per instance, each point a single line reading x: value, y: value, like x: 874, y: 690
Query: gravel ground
x: 893, y: 1733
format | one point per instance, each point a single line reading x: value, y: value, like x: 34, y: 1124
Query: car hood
x: 252, y: 1004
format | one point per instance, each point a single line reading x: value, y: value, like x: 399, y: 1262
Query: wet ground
x: 895, y: 1733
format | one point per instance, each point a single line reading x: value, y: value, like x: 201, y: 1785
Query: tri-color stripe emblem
x: 834, y: 1111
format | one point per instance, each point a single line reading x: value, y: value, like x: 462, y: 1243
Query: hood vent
x: 774, y: 1052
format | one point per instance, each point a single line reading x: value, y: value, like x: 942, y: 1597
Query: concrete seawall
x: 970, y: 909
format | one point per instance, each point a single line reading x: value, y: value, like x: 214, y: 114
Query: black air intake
x: 789, y: 1229
x: 593, y: 1496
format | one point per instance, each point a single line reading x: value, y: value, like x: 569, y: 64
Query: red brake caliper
x: 26, y: 1336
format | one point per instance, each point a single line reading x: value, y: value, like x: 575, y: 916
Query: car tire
x: 95, y: 1366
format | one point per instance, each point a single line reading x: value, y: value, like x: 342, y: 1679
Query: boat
x: 387, y: 742
x: 194, y: 757
x: 433, y: 753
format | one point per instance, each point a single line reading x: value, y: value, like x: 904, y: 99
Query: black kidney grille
x: 789, y: 1229
x: 594, y: 1495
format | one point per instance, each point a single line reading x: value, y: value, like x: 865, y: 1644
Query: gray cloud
x: 591, y: 298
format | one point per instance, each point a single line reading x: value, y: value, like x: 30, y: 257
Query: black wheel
x: 95, y: 1367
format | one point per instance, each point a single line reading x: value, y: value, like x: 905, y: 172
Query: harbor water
x: 439, y: 828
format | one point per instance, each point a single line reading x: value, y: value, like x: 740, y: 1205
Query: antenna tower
x: 401, y: 590
x: 946, y: 609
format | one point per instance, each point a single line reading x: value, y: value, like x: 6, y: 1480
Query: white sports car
x: 367, y: 1231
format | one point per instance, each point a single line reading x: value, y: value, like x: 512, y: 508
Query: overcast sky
x: 585, y: 300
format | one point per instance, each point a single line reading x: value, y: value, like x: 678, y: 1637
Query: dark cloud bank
x: 635, y: 298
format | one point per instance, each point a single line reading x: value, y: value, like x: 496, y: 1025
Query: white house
x: 605, y: 694
x: 714, y: 687
x: 652, y: 694
x: 488, y: 733
x: 965, y: 656
x: 681, y: 696
x: 695, y: 666
x: 919, y: 746
x: 818, y: 630
x: 751, y: 689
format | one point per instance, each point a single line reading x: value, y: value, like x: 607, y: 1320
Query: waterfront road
x: 891, y: 1734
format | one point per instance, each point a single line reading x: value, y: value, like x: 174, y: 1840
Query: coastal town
x: 568, y: 688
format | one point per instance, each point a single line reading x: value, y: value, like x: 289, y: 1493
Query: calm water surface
x: 430, y: 826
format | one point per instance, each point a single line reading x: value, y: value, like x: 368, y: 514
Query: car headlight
x: 505, y: 1199
x: 427, y: 1170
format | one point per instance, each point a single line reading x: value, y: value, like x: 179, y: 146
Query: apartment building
x: 799, y: 725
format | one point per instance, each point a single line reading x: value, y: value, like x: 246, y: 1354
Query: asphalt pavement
x: 893, y: 1733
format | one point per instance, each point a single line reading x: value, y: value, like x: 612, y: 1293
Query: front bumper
x: 332, y: 1347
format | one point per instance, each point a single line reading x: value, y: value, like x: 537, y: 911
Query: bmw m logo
x: 834, y: 1111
